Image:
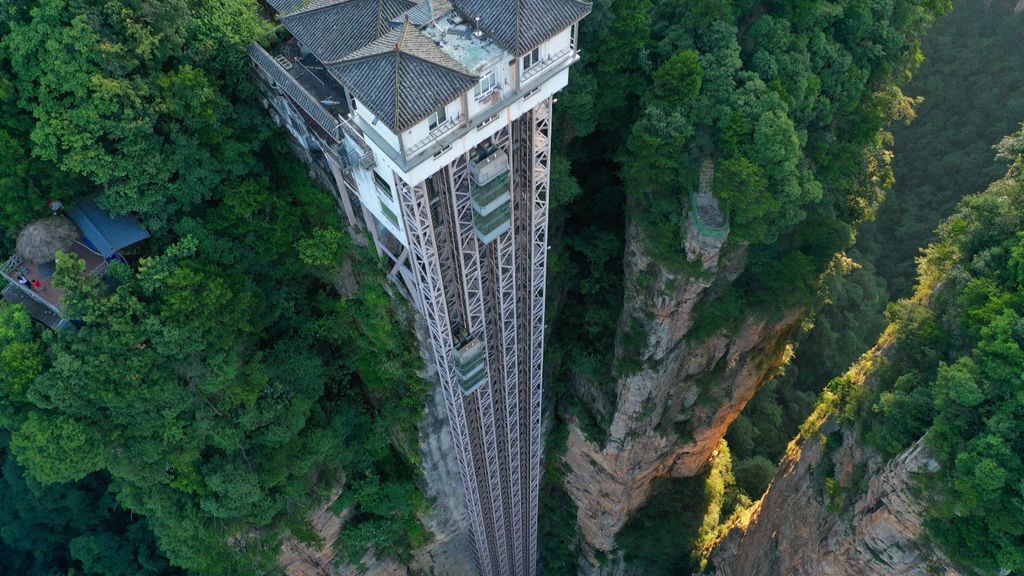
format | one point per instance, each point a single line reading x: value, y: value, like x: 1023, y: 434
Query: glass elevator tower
x: 431, y: 123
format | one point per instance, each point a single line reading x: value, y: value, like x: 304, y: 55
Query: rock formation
x: 836, y: 507
x: 871, y: 523
x: 669, y: 416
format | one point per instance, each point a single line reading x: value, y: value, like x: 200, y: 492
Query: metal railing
x: 363, y: 151
x: 436, y: 133
x: 533, y: 71
x: 702, y: 227
x: 10, y: 266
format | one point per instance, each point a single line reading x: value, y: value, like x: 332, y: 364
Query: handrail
x: 436, y: 133
x: 32, y: 294
x: 11, y: 264
x: 365, y: 153
x: 294, y: 89
x: 537, y: 68
x: 703, y: 228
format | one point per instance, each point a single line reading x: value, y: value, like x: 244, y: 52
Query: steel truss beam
x: 495, y: 293
x: 426, y: 267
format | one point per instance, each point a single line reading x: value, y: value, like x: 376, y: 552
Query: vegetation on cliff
x: 943, y: 155
x: 219, y: 386
x: 955, y: 375
x: 790, y: 100
x: 913, y: 457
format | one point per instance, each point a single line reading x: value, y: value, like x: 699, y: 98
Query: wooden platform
x: 48, y: 292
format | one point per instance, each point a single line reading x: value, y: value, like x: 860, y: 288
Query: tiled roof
x: 403, y: 77
x: 331, y: 29
x: 519, y: 26
x: 420, y: 15
x: 285, y: 6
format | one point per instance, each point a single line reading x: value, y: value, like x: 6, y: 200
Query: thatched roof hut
x: 41, y: 240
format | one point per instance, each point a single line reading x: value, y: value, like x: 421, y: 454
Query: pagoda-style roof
x: 519, y: 26
x: 403, y: 77
x: 286, y: 6
x: 332, y: 29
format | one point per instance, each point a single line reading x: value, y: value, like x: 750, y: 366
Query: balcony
x: 43, y: 302
x: 358, y: 151
x: 545, y: 64
x: 436, y: 134
x: 314, y: 92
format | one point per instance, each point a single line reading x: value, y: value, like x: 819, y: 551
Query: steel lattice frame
x: 426, y: 267
x: 540, y: 118
x: 496, y: 291
x: 471, y: 290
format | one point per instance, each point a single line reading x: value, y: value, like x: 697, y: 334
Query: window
x: 389, y: 214
x: 437, y: 118
x: 532, y: 58
x: 486, y: 85
x: 441, y: 152
x: 383, y: 188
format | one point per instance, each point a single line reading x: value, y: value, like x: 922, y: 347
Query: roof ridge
x: 382, y: 25
x: 408, y: 32
x: 519, y: 25
x: 309, y: 7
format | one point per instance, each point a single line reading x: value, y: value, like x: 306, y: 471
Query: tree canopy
x: 953, y: 375
x: 217, y: 385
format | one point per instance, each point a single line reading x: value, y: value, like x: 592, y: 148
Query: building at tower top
x: 431, y: 123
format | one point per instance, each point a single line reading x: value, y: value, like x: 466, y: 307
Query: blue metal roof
x: 106, y: 233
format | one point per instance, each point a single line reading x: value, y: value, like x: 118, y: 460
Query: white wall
x: 503, y: 77
x: 372, y: 200
x: 414, y: 136
x: 380, y: 128
x: 548, y: 50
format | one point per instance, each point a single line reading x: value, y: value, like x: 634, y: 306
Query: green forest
x: 222, y: 385
x: 958, y: 96
x: 252, y: 358
x: 950, y: 372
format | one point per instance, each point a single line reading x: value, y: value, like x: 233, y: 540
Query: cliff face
x: 450, y: 550
x: 669, y: 416
x: 871, y: 522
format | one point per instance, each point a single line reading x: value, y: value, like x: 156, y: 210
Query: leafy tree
x: 129, y: 96
x: 202, y: 382
x: 953, y: 375
x: 932, y: 156
x: 70, y: 528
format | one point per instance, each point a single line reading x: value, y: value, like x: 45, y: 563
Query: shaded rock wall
x: 871, y: 520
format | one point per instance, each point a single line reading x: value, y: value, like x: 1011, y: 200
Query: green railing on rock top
x: 703, y: 228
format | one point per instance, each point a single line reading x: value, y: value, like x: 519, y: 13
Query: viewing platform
x: 88, y: 233
x: 708, y: 217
